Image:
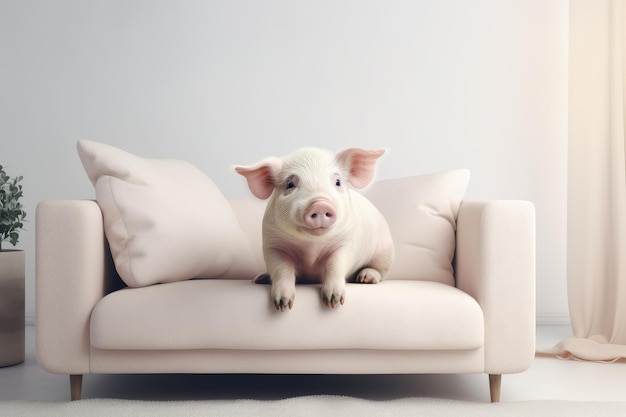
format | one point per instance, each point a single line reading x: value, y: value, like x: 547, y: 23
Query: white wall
x: 442, y: 84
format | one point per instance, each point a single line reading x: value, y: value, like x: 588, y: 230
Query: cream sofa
x: 91, y: 320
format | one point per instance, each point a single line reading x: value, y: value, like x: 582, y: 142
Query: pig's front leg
x: 333, y: 292
x: 283, y: 290
x: 334, y: 284
x: 283, y: 276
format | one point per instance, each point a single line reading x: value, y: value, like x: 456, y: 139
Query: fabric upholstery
x: 72, y: 273
x: 249, y: 212
x: 164, y: 219
x: 337, y: 361
x: 495, y: 264
x: 222, y: 314
x: 421, y: 212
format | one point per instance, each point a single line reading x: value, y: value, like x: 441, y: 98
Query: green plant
x: 11, y: 213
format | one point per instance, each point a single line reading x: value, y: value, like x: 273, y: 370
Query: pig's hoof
x: 368, y: 276
x: 283, y: 295
x: 283, y: 304
x: 262, y: 279
x: 332, y: 297
x: 334, y: 300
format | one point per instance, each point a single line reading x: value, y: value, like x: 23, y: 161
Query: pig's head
x: 310, y: 189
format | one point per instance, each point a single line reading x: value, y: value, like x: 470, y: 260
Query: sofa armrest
x: 73, y: 272
x: 495, y: 264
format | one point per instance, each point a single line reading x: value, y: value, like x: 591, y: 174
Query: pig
x: 316, y: 228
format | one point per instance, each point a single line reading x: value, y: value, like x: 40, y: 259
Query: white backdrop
x: 441, y: 84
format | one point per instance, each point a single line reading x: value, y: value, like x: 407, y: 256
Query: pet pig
x: 316, y: 228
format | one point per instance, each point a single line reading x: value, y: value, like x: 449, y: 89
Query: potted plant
x: 12, y: 266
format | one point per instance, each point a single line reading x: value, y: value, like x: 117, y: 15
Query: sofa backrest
x: 249, y: 212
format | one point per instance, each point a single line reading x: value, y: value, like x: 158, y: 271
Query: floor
x: 548, y: 378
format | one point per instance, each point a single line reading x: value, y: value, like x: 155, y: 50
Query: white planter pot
x: 12, y: 265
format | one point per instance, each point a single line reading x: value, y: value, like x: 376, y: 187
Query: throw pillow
x: 164, y: 219
x: 421, y: 212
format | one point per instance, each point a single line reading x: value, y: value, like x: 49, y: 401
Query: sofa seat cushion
x: 235, y: 314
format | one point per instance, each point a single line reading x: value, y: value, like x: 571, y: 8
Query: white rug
x: 310, y: 406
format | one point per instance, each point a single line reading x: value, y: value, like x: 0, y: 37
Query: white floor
x: 547, y: 379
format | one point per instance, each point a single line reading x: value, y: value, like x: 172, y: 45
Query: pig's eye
x: 290, y: 184
x: 338, y: 182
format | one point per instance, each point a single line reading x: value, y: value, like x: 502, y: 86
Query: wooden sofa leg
x: 76, y: 386
x: 495, y: 381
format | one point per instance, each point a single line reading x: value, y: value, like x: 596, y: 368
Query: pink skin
x: 316, y: 228
x: 320, y: 215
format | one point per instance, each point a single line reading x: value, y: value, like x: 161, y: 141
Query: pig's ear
x: 359, y: 164
x: 261, y: 176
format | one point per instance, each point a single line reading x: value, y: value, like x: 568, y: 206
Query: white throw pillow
x: 164, y: 219
x: 421, y: 212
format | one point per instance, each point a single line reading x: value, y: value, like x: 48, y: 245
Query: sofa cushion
x: 164, y: 219
x: 250, y: 212
x: 421, y: 212
x: 226, y: 314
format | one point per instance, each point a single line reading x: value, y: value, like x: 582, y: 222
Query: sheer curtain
x: 596, y: 224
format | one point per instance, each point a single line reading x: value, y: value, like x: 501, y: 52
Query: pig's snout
x: 320, y: 215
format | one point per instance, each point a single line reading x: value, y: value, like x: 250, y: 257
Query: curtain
x: 596, y: 224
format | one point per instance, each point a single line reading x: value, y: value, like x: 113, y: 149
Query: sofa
x: 153, y: 276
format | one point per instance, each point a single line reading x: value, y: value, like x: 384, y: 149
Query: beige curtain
x: 596, y: 224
